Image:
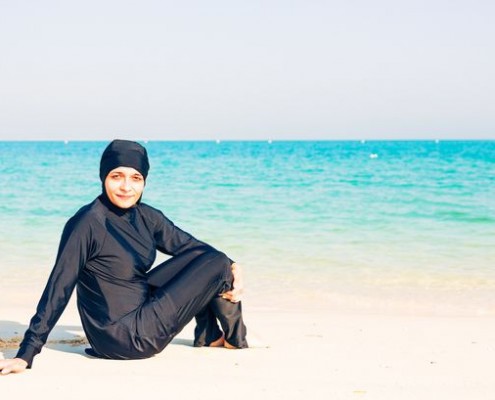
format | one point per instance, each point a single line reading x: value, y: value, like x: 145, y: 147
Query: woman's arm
x: 235, y: 295
x: 172, y: 240
x: 74, y: 249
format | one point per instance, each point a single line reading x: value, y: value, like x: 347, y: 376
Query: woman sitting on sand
x: 127, y: 309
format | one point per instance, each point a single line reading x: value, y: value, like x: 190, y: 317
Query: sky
x: 247, y: 70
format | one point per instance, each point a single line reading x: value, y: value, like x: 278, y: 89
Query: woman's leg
x: 194, y: 292
x: 207, y: 330
x: 166, y: 271
x: 192, y: 288
x: 229, y: 314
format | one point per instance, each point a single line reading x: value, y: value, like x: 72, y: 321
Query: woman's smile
x: 124, y: 186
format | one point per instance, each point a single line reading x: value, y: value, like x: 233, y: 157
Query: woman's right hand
x: 235, y: 294
x: 12, y: 365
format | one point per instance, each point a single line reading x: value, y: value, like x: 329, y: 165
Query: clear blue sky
x: 190, y: 69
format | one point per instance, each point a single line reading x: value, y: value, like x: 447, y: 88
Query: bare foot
x: 220, y: 342
x: 227, y: 345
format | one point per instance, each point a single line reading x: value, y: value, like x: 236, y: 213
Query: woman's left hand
x: 235, y: 294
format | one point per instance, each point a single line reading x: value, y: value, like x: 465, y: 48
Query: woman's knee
x: 220, y: 266
x: 221, y: 258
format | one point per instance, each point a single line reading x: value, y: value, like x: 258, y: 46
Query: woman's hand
x: 235, y: 294
x: 14, y: 365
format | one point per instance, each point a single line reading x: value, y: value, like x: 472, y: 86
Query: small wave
x: 460, y: 216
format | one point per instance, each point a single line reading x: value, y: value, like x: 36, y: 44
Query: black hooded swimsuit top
x: 107, y: 252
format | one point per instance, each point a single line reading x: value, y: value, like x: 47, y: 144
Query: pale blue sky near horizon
x: 165, y: 70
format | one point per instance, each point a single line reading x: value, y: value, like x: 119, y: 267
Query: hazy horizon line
x: 439, y: 139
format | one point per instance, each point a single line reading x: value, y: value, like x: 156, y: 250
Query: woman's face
x: 124, y: 186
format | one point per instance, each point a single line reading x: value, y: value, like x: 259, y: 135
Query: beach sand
x: 296, y: 353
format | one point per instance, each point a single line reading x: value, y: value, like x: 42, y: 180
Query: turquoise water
x: 342, y: 222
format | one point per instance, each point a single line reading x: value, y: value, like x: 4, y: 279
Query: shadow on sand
x: 64, y: 338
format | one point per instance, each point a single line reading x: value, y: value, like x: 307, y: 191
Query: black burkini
x: 128, y: 309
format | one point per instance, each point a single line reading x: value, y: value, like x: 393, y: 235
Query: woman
x: 127, y: 309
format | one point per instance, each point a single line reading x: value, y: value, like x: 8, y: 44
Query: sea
x: 349, y: 226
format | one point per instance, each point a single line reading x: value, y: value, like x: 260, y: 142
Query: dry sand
x: 296, y: 353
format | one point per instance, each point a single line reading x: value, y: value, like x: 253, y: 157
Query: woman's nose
x: 126, y: 184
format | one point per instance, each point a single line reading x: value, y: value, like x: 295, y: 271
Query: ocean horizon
x: 364, y: 223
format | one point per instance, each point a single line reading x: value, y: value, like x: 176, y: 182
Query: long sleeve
x: 172, y: 240
x: 72, y: 254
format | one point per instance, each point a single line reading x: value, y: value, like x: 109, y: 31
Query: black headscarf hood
x: 124, y: 153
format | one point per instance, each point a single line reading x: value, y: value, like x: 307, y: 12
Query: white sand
x: 294, y: 354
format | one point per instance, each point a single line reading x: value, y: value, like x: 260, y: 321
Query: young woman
x: 129, y: 310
